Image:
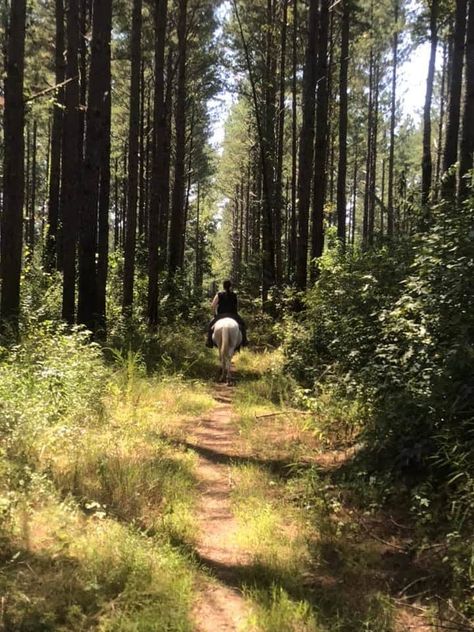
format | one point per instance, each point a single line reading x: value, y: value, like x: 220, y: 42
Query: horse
x: 227, y: 337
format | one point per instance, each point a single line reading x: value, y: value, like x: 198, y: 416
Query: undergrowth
x: 96, y: 500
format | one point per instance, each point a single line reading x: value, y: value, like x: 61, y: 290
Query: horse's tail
x: 225, y: 342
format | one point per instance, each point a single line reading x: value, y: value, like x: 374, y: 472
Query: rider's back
x: 227, y: 303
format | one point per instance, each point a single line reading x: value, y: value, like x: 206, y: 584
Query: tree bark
x: 268, y: 148
x: 32, y: 214
x: 321, y: 144
x: 306, y: 147
x: 198, y: 273
x: 158, y: 195
x: 71, y: 163
x: 368, y: 159
x: 56, y: 135
x: 427, y: 163
x: 467, y: 137
x: 13, y: 170
x: 343, y: 103
x: 450, y: 156
x: 96, y: 140
x: 177, y: 229
x: 280, y: 149
x: 442, y: 112
x: 142, y: 155
x: 294, y: 146
x: 373, y: 157
x: 133, y: 150
x: 104, y: 193
x: 393, y: 114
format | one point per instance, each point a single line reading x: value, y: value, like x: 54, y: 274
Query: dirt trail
x: 220, y: 605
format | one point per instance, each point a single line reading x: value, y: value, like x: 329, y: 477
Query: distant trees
x: 317, y: 150
x: 347, y: 161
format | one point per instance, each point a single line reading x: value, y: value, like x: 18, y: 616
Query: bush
x: 392, y: 331
x: 339, y: 330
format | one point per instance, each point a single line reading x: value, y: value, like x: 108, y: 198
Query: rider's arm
x: 215, y: 303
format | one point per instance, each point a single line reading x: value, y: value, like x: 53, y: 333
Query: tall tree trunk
x: 450, y: 156
x: 27, y: 184
x: 71, y: 162
x: 104, y: 186
x: 116, y: 205
x: 368, y: 160
x: 159, y: 148
x: 280, y: 149
x: 427, y: 163
x: 247, y: 214
x: 177, y: 229
x: 342, y: 166
x: 373, y: 157
x: 354, y: 197
x: 13, y: 170
x: 147, y: 176
x: 189, y: 175
x: 321, y: 145
x: 96, y: 131
x: 56, y: 135
x: 85, y: 17
x: 198, y: 265
x: 268, y: 148
x: 393, y: 114
x: 442, y: 110
x: 142, y: 155
x: 306, y: 147
x: 294, y: 146
x: 123, y: 218
x: 467, y: 137
x: 32, y: 214
x: 133, y: 149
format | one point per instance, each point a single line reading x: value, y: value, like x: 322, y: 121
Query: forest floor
x: 189, y: 506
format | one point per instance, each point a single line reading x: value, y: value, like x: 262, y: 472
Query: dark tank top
x: 227, y: 303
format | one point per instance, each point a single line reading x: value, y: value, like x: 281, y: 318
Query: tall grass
x: 96, y: 499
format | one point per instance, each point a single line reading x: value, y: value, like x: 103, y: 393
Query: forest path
x: 274, y: 553
x: 220, y: 605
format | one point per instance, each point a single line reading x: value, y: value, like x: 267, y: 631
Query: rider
x: 225, y: 304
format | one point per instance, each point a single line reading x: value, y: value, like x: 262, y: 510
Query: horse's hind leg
x: 228, y: 370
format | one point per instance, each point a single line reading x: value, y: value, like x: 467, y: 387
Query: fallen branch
x: 400, y: 526
x: 382, y: 541
x: 416, y: 581
x: 285, y: 412
x: 51, y: 89
x: 456, y: 612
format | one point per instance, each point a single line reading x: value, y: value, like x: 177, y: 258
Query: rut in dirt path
x: 220, y: 605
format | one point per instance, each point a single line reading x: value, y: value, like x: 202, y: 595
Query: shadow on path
x: 278, y: 467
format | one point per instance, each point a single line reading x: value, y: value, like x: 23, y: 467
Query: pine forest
x: 237, y: 315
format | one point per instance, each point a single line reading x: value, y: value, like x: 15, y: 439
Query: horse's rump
x: 227, y: 337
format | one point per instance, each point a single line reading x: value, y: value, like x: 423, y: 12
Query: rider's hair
x: 227, y: 285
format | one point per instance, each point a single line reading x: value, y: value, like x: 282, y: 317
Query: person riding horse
x: 224, y: 305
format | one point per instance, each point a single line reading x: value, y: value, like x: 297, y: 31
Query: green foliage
x: 386, y: 343
x: 340, y: 329
x: 422, y: 369
x: 52, y: 377
x: 96, y: 505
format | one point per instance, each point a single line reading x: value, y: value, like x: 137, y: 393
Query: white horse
x: 227, y: 337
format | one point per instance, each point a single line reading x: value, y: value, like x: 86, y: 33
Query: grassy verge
x: 320, y: 561
x: 96, y: 501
